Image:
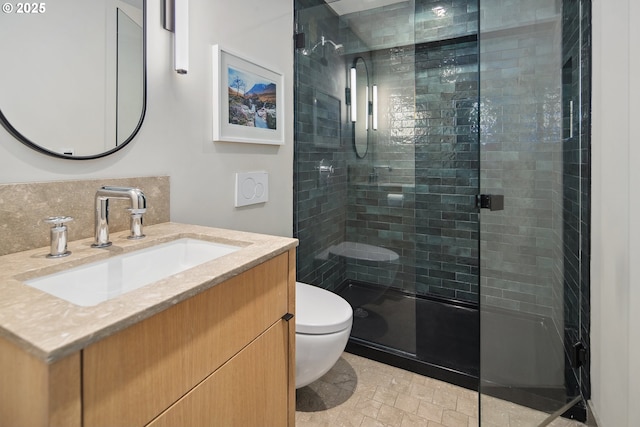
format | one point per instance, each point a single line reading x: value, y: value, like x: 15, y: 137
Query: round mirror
x: 73, y: 84
x: 360, y: 106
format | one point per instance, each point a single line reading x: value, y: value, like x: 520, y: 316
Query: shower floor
x: 441, y: 339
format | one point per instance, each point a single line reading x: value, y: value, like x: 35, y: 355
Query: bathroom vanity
x: 213, y: 345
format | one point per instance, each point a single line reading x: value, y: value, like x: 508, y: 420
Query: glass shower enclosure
x: 441, y: 181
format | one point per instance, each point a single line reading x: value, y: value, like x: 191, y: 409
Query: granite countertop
x: 51, y: 328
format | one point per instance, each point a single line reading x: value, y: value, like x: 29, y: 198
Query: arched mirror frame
x: 31, y: 144
x: 362, y: 103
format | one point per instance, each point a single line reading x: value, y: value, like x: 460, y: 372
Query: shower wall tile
x: 447, y: 169
x: 320, y: 212
x: 381, y: 28
x: 393, y: 142
x: 429, y: 92
x: 377, y: 221
x: 521, y: 137
x: 444, y: 19
x: 409, y: 23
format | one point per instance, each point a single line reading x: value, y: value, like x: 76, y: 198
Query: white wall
x: 615, y: 286
x: 175, y: 138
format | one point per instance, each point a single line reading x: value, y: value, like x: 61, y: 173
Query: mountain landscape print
x: 252, y: 100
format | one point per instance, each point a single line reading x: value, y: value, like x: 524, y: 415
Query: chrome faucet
x: 138, y: 207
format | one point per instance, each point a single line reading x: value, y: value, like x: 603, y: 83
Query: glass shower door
x: 391, y: 224
x: 533, y: 152
x: 363, y: 246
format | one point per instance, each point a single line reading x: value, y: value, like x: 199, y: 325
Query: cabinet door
x: 250, y: 390
x: 131, y: 377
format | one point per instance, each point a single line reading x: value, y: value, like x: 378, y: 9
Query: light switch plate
x: 251, y: 188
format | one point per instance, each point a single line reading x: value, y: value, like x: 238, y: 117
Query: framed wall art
x: 248, y: 103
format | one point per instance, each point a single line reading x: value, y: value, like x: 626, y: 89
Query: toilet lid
x: 319, y: 311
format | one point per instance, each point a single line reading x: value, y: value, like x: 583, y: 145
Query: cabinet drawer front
x: 132, y: 376
x: 250, y: 390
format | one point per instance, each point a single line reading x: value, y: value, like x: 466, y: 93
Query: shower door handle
x: 493, y: 202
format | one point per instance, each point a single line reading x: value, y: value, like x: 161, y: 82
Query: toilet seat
x: 319, y: 311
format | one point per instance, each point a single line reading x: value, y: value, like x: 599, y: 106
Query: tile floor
x: 361, y: 392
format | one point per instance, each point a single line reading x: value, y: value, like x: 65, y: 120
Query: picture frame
x: 248, y: 100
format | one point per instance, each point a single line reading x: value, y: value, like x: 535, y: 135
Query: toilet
x: 323, y: 325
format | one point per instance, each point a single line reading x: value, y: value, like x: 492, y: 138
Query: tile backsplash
x: 25, y: 206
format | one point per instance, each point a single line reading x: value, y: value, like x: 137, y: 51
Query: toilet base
x: 316, y: 354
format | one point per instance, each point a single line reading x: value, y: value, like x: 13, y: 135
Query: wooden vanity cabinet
x: 245, y: 391
x: 224, y: 357
x: 34, y: 393
x: 132, y: 377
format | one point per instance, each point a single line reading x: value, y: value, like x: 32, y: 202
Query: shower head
x: 337, y: 47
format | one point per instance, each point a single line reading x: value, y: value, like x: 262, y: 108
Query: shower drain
x: 361, y: 313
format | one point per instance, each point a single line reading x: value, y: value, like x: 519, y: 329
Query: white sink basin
x: 100, y: 281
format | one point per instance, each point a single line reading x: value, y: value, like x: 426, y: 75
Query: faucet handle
x: 136, y: 223
x: 58, y: 235
x: 58, y: 220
